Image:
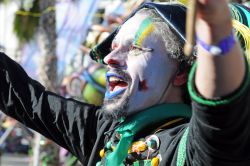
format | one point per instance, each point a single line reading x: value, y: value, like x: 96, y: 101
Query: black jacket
x: 218, y: 134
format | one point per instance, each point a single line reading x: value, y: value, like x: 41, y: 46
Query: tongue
x: 117, y: 85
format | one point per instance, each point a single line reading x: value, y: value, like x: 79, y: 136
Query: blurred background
x: 51, y: 39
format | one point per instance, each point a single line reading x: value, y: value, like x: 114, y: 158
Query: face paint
x: 143, y: 85
x: 145, y: 29
x: 136, y: 82
x: 114, y: 80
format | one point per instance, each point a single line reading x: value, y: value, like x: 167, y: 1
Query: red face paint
x: 143, y: 85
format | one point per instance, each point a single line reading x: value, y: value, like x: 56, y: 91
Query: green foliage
x: 26, y: 24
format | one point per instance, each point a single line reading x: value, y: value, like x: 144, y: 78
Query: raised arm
x: 217, y: 75
x: 219, y: 87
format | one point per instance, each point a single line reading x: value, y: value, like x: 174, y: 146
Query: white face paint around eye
x: 139, y: 78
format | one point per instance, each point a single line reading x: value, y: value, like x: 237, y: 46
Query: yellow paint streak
x: 145, y: 33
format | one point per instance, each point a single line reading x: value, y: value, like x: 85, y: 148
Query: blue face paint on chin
x: 110, y: 95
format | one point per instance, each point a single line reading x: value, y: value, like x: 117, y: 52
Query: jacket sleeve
x: 219, y: 128
x: 69, y: 123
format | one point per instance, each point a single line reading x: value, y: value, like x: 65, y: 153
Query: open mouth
x: 116, y: 85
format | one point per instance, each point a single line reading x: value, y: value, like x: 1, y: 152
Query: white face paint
x: 136, y: 79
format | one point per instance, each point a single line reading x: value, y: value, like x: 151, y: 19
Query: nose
x: 114, y: 59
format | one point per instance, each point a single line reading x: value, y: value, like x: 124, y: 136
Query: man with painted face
x: 144, y: 120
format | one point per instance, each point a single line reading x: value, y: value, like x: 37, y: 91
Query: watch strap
x: 222, y: 48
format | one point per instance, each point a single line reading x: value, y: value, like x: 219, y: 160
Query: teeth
x: 113, y: 78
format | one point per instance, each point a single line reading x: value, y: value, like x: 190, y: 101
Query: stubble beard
x: 117, y: 107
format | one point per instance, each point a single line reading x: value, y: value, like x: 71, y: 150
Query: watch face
x: 223, y: 47
x: 214, y: 50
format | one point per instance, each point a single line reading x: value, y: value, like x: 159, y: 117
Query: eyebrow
x: 146, y: 49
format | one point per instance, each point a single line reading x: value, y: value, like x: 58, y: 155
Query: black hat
x: 174, y: 14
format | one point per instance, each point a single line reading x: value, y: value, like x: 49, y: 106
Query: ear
x: 180, y: 78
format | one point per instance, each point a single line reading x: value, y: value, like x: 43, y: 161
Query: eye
x: 139, y: 48
x: 131, y: 48
x: 134, y: 50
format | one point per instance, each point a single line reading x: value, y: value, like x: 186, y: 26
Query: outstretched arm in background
x: 69, y: 123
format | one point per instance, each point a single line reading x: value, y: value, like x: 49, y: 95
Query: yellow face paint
x: 145, y: 29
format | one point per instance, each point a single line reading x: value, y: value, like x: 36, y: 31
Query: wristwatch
x: 223, y: 47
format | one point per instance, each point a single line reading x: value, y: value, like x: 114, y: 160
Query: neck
x: 172, y: 95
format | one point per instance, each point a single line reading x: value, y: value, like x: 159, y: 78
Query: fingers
x: 213, y: 11
x: 213, y: 21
